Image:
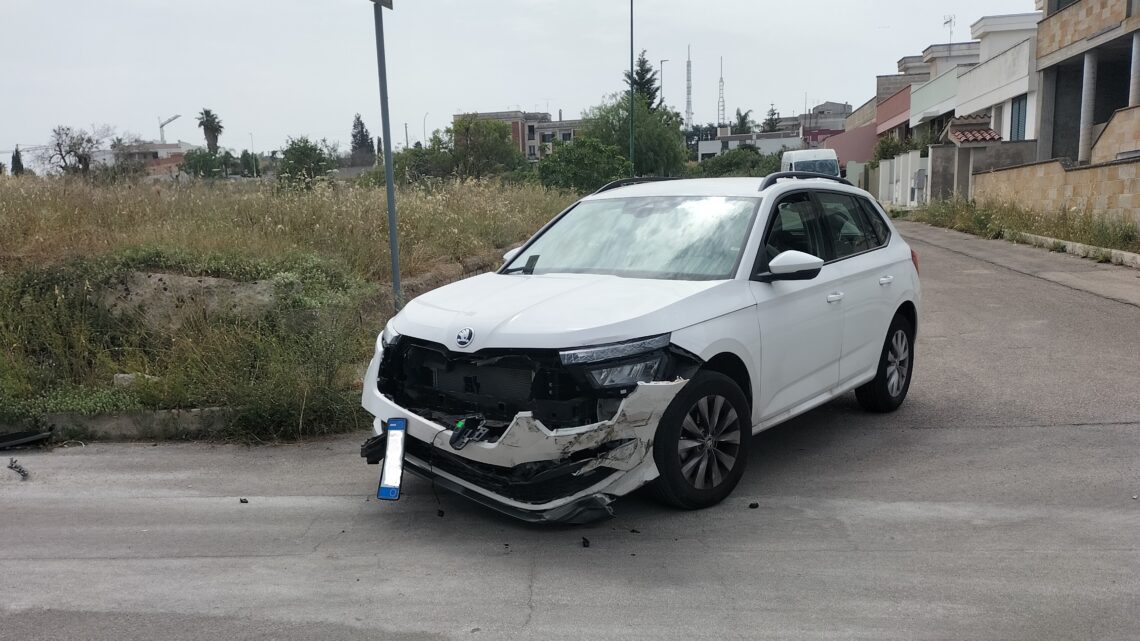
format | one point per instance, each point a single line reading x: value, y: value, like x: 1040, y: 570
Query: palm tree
x: 744, y: 122
x: 212, y: 127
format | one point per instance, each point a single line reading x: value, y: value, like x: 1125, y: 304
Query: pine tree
x: 772, y: 122
x: 644, y: 81
x: 17, y: 162
x: 363, y: 153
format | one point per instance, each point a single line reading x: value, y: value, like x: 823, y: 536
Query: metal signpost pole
x: 393, y: 242
x: 631, y: 101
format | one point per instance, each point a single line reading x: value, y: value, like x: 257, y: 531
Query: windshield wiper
x: 527, y: 269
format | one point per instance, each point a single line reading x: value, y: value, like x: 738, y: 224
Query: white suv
x: 643, y: 336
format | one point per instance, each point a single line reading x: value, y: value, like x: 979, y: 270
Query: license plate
x: 393, y: 468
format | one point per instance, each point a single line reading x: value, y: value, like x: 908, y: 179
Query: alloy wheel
x: 898, y: 363
x: 710, y: 442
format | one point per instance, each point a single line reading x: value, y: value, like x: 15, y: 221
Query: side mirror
x: 792, y: 265
x: 511, y: 253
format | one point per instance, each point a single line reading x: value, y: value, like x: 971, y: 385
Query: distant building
x: 159, y: 158
x: 533, y: 133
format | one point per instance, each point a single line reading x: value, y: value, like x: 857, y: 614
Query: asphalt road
x: 996, y: 504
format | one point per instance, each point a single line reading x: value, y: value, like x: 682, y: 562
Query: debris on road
x: 585, y: 542
x: 15, y: 466
x: 16, y: 439
x: 635, y: 531
x: 439, y: 513
x: 753, y: 505
x: 244, y: 500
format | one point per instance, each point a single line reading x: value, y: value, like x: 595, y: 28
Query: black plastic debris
x: 15, y: 466
x: 585, y: 542
x: 244, y: 500
x: 439, y: 513
x: 753, y: 506
x: 16, y: 439
x: 635, y: 531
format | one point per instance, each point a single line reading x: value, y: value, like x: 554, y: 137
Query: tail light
x: 914, y: 259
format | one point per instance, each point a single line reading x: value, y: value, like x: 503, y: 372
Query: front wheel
x: 701, y: 446
x: 888, y: 389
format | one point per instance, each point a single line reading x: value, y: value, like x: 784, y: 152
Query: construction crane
x: 162, y: 126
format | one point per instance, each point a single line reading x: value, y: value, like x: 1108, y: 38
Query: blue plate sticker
x: 393, y: 469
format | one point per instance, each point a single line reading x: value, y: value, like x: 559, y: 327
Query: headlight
x: 626, y: 374
x: 387, y: 337
x: 614, y: 350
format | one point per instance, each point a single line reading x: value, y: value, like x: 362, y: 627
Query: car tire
x: 701, y: 445
x: 887, y: 391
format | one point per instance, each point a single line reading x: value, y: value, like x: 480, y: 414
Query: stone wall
x: 1110, y: 188
x: 1077, y: 22
x: 1122, y: 135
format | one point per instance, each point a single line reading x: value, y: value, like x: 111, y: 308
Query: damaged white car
x: 642, y: 337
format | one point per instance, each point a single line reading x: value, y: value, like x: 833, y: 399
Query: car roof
x: 730, y: 187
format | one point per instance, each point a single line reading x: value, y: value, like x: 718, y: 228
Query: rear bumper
x: 534, y: 473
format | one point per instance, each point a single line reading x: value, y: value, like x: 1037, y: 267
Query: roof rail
x: 772, y: 178
x: 625, y: 182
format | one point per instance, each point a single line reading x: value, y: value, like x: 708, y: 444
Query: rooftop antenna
x: 722, y: 118
x: 689, y: 89
x: 162, y: 127
x: 949, y: 21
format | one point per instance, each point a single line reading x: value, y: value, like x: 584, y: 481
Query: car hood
x: 563, y: 310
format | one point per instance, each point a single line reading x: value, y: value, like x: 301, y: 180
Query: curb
x: 1114, y: 256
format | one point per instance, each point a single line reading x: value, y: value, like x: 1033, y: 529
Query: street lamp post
x: 424, y: 125
x: 633, y: 168
x: 662, y: 81
x: 393, y: 242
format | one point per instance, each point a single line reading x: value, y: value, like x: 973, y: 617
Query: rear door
x: 863, y: 276
x: 801, y: 324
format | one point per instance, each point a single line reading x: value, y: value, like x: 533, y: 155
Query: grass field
x: 290, y: 371
x: 993, y: 220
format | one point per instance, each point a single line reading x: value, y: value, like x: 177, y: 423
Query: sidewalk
x: 1113, y: 282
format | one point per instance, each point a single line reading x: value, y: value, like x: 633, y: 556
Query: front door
x: 801, y: 322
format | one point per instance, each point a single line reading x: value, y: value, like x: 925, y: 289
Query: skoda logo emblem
x: 463, y: 338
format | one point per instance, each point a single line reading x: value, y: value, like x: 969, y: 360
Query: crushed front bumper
x: 531, y: 472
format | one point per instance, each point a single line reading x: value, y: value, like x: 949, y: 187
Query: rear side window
x: 845, y: 226
x: 875, y: 219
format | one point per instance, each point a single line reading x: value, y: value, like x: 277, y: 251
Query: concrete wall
x: 1112, y: 188
x: 871, y: 181
x: 1066, y: 123
x: 887, y: 86
x: 1006, y: 154
x: 1121, y: 136
x: 898, y: 184
x: 894, y: 111
x: 934, y: 98
x: 943, y: 159
x: 1005, y: 76
x: 864, y: 115
x: 856, y: 145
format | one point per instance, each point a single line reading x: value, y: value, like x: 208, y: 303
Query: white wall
x: 1008, y: 75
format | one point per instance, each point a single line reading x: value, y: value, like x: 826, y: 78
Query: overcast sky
x: 279, y: 68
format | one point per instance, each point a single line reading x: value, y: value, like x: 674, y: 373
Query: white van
x: 820, y: 161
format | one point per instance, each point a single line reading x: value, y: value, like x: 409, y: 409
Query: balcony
x: 1080, y: 21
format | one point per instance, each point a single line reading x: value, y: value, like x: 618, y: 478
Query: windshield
x: 666, y: 237
x: 824, y: 166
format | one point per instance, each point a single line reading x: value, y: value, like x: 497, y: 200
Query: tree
x: 70, y: 150
x: 249, y: 165
x: 744, y: 124
x: 212, y: 128
x: 362, y: 151
x: 583, y: 165
x: 305, y: 163
x: 419, y: 162
x: 2, y: 169
x: 772, y: 122
x: 201, y: 163
x: 745, y: 160
x: 659, y: 147
x: 481, y: 147
x: 17, y: 162
x: 644, y: 82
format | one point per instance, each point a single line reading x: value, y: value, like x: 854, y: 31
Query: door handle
x: 834, y: 297
x: 886, y: 280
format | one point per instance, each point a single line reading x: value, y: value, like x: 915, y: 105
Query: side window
x: 844, y: 226
x: 793, y: 228
x: 882, y: 232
